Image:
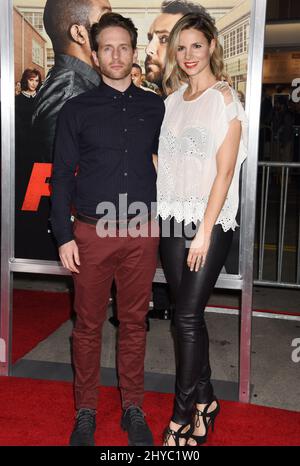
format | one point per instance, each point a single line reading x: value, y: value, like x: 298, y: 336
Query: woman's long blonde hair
x: 174, y: 76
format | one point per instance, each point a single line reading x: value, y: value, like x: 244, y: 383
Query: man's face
x: 115, y: 54
x: 158, y: 37
x: 98, y: 8
x: 136, y: 76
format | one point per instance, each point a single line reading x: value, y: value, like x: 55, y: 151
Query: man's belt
x: 118, y: 223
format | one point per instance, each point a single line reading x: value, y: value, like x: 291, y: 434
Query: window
x: 240, y: 40
x: 236, y: 80
x: 236, y: 41
x: 35, y: 18
x: 50, y: 58
x: 243, y: 33
x: 232, y: 46
x: 246, y: 37
x: 226, y: 46
x: 37, y: 53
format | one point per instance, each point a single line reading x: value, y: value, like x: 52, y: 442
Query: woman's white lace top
x: 191, y: 135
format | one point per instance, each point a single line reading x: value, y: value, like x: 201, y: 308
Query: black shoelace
x: 136, y: 417
x: 85, y: 420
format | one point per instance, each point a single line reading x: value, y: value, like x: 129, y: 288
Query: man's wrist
x: 64, y: 240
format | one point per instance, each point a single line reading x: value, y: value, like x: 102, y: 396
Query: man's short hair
x: 113, y: 20
x: 175, y: 7
x: 135, y: 65
x: 60, y: 15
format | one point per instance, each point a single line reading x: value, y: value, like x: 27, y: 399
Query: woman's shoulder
x: 224, y: 90
x: 230, y: 101
x: 176, y: 95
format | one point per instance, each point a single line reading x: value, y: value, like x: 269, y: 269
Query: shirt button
x: 125, y: 174
x: 125, y: 130
x: 130, y: 97
x: 126, y: 150
x: 115, y: 96
x: 124, y: 109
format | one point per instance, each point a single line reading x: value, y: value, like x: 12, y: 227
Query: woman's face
x: 32, y: 83
x: 194, y: 52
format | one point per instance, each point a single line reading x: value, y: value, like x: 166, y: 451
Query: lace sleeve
x: 231, y: 109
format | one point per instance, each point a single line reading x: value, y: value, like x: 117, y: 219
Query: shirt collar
x: 29, y: 96
x: 114, y: 93
x: 79, y: 66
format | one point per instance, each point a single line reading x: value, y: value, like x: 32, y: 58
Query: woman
x: 202, y: 146
x: 24, y: 106
x: 30, y: 83
x: 17, y: 88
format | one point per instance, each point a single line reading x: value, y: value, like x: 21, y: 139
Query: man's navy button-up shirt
x: 104, y: 145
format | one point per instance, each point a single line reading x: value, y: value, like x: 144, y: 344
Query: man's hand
x: 69, y: 256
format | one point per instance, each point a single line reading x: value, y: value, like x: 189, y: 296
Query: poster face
x: 59, y: 59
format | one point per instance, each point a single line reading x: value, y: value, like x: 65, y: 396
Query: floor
x: 275, y: 369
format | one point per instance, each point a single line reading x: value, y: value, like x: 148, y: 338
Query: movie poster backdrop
x: 36, y: 116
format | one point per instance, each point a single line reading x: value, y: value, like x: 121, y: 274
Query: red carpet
x: 38, y: 412
x: 36, y: 314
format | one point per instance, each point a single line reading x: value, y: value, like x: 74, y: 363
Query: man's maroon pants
x: 131, y: 262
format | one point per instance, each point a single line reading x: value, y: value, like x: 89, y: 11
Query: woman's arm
x: 226, y: 161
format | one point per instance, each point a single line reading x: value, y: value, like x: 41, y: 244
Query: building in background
x: 234, y: 29
x: 33, y: 11
x: 29, y: 46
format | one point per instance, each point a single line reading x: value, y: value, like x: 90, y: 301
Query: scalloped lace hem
x: 187, y: 215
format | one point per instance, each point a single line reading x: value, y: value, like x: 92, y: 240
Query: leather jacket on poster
x: 68, y: 78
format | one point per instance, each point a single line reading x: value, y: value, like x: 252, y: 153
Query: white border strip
x: 266, y: 315
x: 236, y: 312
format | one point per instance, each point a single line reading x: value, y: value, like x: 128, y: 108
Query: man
x: 107, y: 137
x: 68, y: 25
x: 158, y: 35
x: 137, y: 77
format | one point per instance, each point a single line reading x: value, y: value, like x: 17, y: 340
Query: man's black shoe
x: 84, y: 428
x: 133, y: 421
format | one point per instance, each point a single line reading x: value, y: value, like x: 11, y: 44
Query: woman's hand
x: 198, y: 249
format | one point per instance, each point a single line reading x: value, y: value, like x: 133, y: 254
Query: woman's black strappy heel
x: 176, y: 435
x: 208, y: 419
